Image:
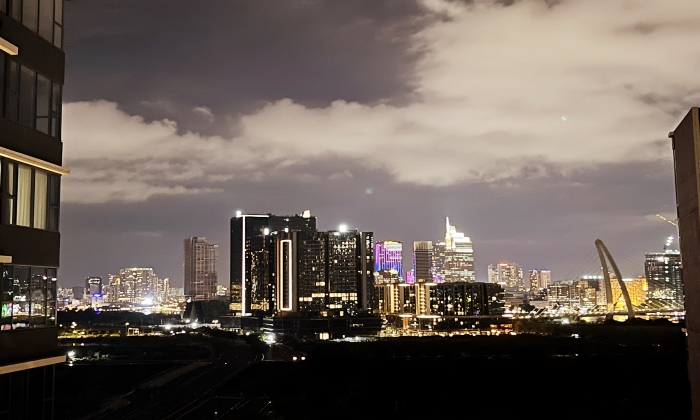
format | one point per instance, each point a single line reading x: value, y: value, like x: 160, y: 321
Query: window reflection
x: 27, y: 297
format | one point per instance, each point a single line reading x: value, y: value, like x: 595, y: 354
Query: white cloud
x: 204, y: 112
x: 495, y: 82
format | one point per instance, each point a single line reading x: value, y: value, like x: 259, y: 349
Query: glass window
x: 32, y: 197
x: 11, y: 194
x: 17, y: 10
x: 2, y: 77
x: 40, y: 187
x: 58, y: 36
x: 13, y: 92
x: 24, y: 195
x: 46, y: 20
x: 54, y: 199
x: 20, y: 307
x: 33, y: 100
x: 30, y: 14
x: 43, y: 103
x: 37, y: 314
x: 27, y: 92
x: 59, y: 12
x: 6, y: 293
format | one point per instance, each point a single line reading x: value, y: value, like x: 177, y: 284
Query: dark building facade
x: 252, y: 286
x: 686, y: 156
x: 201, y: 268
x: 31, y: 79
x: 323, y: 272
x: 466, y: 298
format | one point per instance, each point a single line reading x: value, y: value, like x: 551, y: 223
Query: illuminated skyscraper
x: 93, y: 286
x: 388, y: 256
x: 318, y: 272
x: 423, y: 261
x: 459, y: 256
x: 251, y: 288
x: 508, y: 275
x: 539, y: 279
x: 665, y: 276
x: 201, y: 268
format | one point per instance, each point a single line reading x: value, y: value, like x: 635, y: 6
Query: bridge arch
x: 602, y: 254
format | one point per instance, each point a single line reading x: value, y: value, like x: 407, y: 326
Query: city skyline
x: 583, y: 174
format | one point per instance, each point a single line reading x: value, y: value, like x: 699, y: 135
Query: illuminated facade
x: 508, y: 275
x: 637, y: 289
x: 466, y: 299
x: 201, y: 268
x: 539, y: 279
x: 388, y: 256
x: 318, y: 273
x: 32, y: 68
x: 664, y: 276
x: 93, y: 286
x: 459, y: 256
x: 251, y: 288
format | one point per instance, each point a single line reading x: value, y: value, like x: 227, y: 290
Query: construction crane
x: 669, y: 240
x: 674, y: 223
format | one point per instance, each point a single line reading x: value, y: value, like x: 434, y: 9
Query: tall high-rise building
x: 318, y: 272
x: 686, y: 152
x: 459, y: 255
x: 93, y: 286
x: 32, y: 65
x: 201, y: 268
x: 508, y: 275
x: 139, y: 284
x: 388, y: 256
x: 423, y: 261
x: 539, y: 279
x: 251, y: 287
x: 664, y: 276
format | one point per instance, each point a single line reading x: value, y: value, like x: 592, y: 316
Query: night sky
x: 536, y: 126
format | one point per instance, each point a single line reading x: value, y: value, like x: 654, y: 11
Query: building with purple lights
x: 388, y: 256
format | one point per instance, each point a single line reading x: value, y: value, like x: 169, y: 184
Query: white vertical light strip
x: 286, y: 247
x: 243, y: 268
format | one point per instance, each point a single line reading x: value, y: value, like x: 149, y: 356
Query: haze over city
x: 385, y: 117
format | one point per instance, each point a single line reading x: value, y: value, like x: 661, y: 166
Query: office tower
x: 636, y: 287
x: 508, y: 275
x: 539, y: 279
x: 315, y: 272
x: 251, y: 288
x: 93, y: 286
x: 458, y: 255
x: 201, y: 268
x: 686, y: 149
x: 665, y: 276
x: 31, y: 74
x: 139, y: 284
x: 438, y: 264
x: 423, y: 261
x: 466, y: 299
x: 78, y: 292
x: 388, y: 257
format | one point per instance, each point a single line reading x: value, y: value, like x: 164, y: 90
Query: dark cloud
x: 236, y: 56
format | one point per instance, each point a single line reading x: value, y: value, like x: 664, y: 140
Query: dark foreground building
x: 251, y: 288
x: 686, y: 155
x: 31, y: 80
